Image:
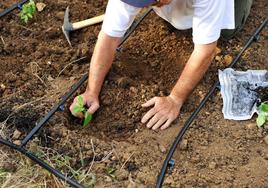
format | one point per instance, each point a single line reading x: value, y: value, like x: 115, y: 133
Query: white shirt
x: 205, y: 17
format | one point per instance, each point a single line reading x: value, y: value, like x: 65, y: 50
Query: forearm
x: 193, y: 72
x: 101, y: 62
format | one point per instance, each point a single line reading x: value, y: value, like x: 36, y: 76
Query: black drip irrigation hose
x: 59, y: 107
x: 187, y: 124
x: 41, y: 163
x: 13, y: 7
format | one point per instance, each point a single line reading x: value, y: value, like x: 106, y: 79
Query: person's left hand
x: 164, y: 112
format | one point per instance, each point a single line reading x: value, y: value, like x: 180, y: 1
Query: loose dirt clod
x: 16, y: 134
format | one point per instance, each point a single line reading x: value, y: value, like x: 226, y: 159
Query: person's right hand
x: 91, y: 102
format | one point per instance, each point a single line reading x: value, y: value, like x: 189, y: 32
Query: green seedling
x: 28, y: 11
x: 263, y: 114
x: 110, y: 172
x: 80, y: 108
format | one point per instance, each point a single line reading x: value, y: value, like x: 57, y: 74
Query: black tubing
x: 54, y: 110
x: 28, y: 154
x: 13, y: 7
x: 187, y: 124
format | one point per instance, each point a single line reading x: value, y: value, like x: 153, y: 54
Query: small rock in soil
x: 40, y: 6
x: 266, y: 140
x: 162, y: 148
x: 17, y: 142
x: 218, y: 58
x: 16, y: 134
x: 2, y: 86
x: 212, y: 165
x: 184, y: 144
x: 60, y: 15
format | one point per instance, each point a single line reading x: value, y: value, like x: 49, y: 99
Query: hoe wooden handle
x: 88, y: 22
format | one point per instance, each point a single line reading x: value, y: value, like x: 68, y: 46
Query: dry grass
x: 17, y: 171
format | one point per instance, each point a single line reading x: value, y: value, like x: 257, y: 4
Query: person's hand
x: 90, y: 101
x: 160, y: 3
x: 164, y: 112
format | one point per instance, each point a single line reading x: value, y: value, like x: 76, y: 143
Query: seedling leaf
x: 263, y: 107
x: 88, y: 118
x: 110, y: 172
x: 80, y: 100
x: 261, y: 120
x: 78, y: 109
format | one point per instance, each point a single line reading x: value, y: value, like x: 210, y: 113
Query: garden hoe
x: 68, y: 26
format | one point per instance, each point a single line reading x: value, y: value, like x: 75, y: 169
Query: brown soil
x: 214, y: 153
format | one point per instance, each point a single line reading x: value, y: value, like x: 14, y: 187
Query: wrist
x: 178, y: 100
x: 90, y: 94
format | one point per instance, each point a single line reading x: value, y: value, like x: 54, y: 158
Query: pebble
x: 60, y: 15
x: 17, y: 142
x: 40, y: 6
x: 162, y: 148
x: 136, y: 130
x: 218, y: 58
x: 184, y: 144
x: 16, y: 134
x: 266, y: 140
x: 212, y: 165
x: 2, y: 86
x: 251, y: 126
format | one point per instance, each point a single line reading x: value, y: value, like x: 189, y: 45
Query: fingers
x: 148, y: 115
x: 167, y: 124
x: 71, y: 108
x: 93, y: 108
x: 152, y: 121
x: 150, y: 102
x: 92, y: 104
x: 159, y: 123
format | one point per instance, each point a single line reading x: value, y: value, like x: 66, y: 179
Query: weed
x: 263, y: 114
x: 110, y: 172
x: 63, y: 163
x: 28, y: 11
